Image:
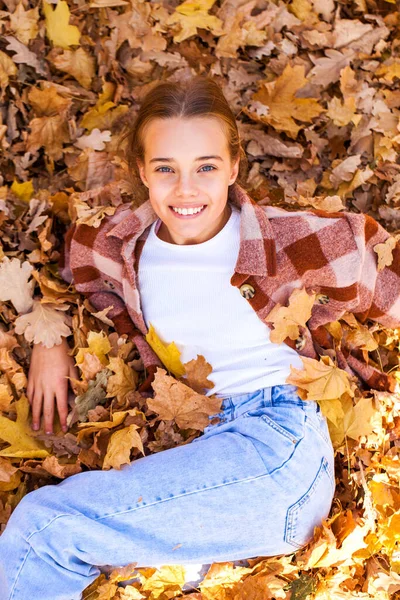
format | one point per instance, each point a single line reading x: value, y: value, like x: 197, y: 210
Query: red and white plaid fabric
x: 330, y: 254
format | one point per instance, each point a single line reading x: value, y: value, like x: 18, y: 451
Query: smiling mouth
x: 187, y: 216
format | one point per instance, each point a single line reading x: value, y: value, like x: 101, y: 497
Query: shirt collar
x: 257, y: 251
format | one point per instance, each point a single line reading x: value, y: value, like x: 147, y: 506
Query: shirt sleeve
x: 88, y: 280
x: 378, y: 290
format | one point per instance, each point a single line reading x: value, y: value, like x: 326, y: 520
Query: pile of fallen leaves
x: 314, y: 85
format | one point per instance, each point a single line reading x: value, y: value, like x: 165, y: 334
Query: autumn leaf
x: 176, y: 401
x: 19, y: 434
x: 24, y: 191
x: 168, y: 354
x: 385, y: 252
x: 7, y: 69
x: 94, y: 395
x: 123, y: 381
x: 24, y: 23
x: 282, y: 107
x: 77, y: 63
x: 192, y: 15
x: 91, y: 216
x: 120, y: 445
x: 197, y: 371
x: 45, y: 324
x: 320, y: 379
x: 58, y: 29
x: 288, y: 319
x: 15, y: 285
x: 98, y: 345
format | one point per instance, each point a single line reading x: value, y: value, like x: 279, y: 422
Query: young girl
x: 212, y: 265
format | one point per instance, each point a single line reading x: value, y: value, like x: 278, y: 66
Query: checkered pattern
x: 330, y: 254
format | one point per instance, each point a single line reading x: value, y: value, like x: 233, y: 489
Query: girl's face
x: 187, y: 165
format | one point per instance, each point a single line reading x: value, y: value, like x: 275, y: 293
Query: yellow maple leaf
x: 287, y: 319
x: 24, y: 191
x: 320, y: 379
x: 168, y: 354
x: 58, y: 29
x: 192, y: 16
x: 98, y: 344
x: 19, y: 434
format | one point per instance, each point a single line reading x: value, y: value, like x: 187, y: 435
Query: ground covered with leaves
x: 314, y: 85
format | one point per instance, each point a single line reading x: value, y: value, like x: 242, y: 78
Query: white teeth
x: 187, y: 211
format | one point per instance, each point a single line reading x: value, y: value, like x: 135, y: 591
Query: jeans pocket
x: 313, y: 506
x: 287, y: 420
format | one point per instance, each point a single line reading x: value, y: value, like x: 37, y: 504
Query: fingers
x: 62, y: 404
x: 48, y: 410
x: 37, y: 408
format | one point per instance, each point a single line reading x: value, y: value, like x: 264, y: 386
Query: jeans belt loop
x: 268, y: 396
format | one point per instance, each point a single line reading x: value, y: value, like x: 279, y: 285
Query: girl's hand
x: 47, y: 382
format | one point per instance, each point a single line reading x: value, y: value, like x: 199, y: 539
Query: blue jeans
x: 254, y: 484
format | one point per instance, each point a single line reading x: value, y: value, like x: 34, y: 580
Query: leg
x: 215, y: 499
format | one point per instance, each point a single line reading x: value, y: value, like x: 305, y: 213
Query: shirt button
x: 322, y: 298
x: 247, y: 291
x: 300, y: 342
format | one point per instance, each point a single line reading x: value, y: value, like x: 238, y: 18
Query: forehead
x: 189, y: 137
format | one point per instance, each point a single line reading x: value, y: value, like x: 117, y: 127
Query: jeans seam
x: 242, y: 480
x: 19, y: 573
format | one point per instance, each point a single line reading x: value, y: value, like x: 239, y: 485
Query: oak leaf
x: 44, y: 324
x: 15, y: 285
x: 385, y: 252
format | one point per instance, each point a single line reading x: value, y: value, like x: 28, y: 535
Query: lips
x: 187, y: 216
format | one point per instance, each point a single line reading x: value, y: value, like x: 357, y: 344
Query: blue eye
x: 159, y: 168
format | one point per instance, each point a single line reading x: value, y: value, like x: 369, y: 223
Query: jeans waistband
x: 285, y: 394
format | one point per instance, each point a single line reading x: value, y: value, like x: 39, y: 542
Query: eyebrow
x: 196, y: 159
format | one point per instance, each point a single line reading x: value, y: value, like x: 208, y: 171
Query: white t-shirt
x: 187, y: 296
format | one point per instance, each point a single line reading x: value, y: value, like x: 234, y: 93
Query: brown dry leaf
x: 123, y: 381
x: 7, y: 69
x: 176, y: 401
x: 54, y: 467
x: 77, y: 63
x: 24, y: 23
x: 281, y: 105
x: 197, y: 371
x: 120, y: 445
x: 288, y: 319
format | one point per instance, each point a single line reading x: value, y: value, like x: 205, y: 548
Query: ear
x: 140, y: 167
x: 235, y: 171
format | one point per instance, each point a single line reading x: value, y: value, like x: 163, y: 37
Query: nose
x: 186, y: 186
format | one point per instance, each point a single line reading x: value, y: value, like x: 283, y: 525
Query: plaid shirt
x: 330, y: 254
